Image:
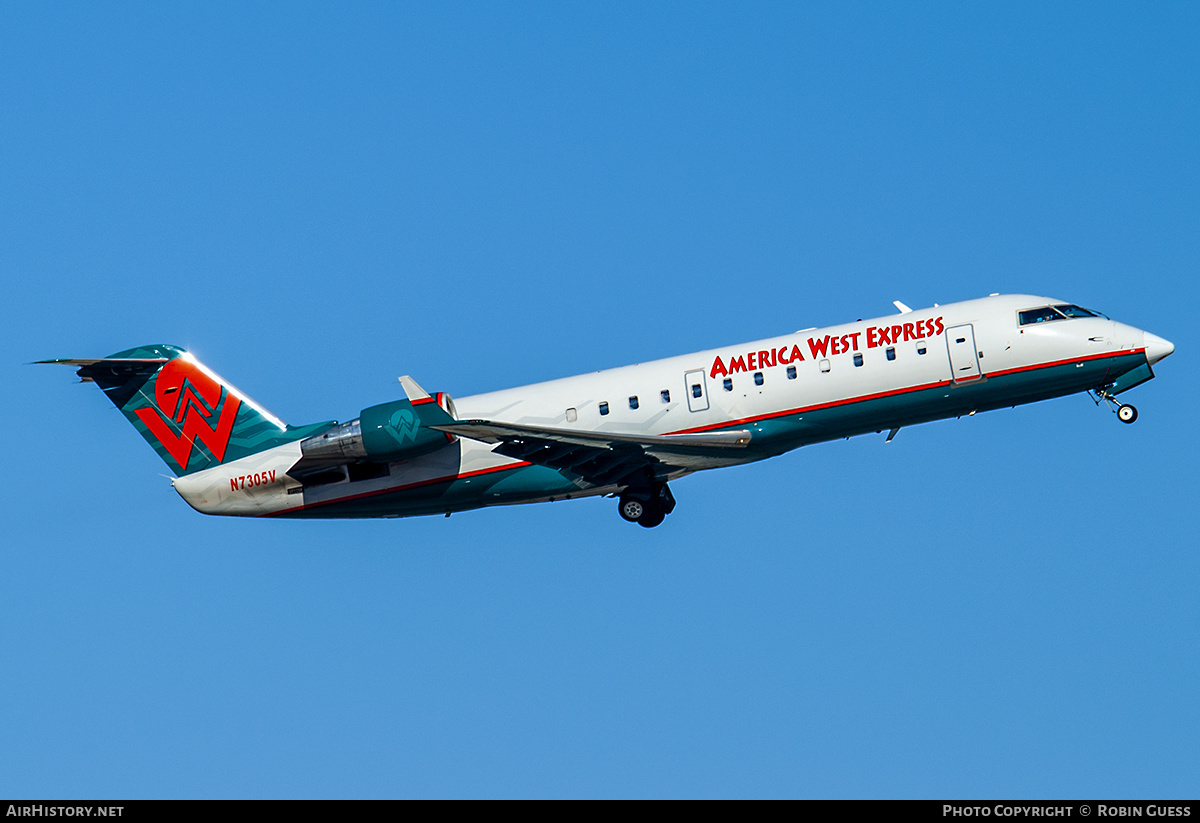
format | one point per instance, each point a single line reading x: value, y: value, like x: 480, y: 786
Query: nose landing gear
x: 647, y: 506
x: 1125, y: 412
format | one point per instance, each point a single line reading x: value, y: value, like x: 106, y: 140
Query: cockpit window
x: 1046, y: 314
x: 1077, y: 311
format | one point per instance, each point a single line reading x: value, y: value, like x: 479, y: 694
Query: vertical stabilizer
x: 193, y: 418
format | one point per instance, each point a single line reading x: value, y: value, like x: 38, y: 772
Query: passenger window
x: 728, y: 384
x: 666, y: 395
x: 758, y: 378
x: 858, y: 361
x: 633, y: 402
x: 572, y: 415
x: 603, y: 408
x: 791, y: 372
x: 697, y: 390
x: 891, y: 353
x: 825, y: 366
x: 921, y: 348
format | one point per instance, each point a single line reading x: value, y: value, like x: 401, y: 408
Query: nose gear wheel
x: 1124, y: 412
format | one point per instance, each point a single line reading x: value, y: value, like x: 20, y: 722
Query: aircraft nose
x: 1156, y: 347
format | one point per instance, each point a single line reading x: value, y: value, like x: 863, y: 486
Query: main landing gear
x: 1125, y: 412
x: 647, y: 506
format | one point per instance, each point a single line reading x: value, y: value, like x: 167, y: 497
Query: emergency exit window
x: 572, y: 415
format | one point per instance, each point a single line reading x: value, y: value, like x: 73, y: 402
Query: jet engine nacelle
x: 390, y: 431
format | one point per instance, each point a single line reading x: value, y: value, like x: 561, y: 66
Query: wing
x: 606, y: 458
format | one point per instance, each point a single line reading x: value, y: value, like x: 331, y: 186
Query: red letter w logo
x: 187, y: 398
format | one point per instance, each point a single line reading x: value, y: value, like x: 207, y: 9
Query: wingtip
x: 412, y: 389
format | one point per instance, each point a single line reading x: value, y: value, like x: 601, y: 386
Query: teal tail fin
x: 189, y: 415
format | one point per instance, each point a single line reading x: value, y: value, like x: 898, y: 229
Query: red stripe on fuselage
x: 401, y: 488
x: 831, y: 404
x: 1054, y: 363
x: 906, y: 390
x: 738, y: 422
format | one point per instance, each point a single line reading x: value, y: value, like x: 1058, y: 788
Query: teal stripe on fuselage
x: 784, y: 431
x: 772, y: 435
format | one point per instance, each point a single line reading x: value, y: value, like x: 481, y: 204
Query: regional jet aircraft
x: 626, y: 432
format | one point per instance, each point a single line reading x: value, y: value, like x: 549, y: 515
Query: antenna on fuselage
x: 903, y: 309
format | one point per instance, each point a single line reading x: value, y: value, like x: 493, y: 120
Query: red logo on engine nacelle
x: 187, y: 397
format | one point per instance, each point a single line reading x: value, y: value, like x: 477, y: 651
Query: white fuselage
x: 789, y: 390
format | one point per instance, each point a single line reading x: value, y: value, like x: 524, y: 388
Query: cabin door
x: 964, y: 359
x: 697, y: 391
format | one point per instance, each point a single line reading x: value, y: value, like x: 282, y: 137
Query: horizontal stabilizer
x: 119, y: 377
x: 109, y: 362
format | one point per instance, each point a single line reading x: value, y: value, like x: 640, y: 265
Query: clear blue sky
x: 315, y: 199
